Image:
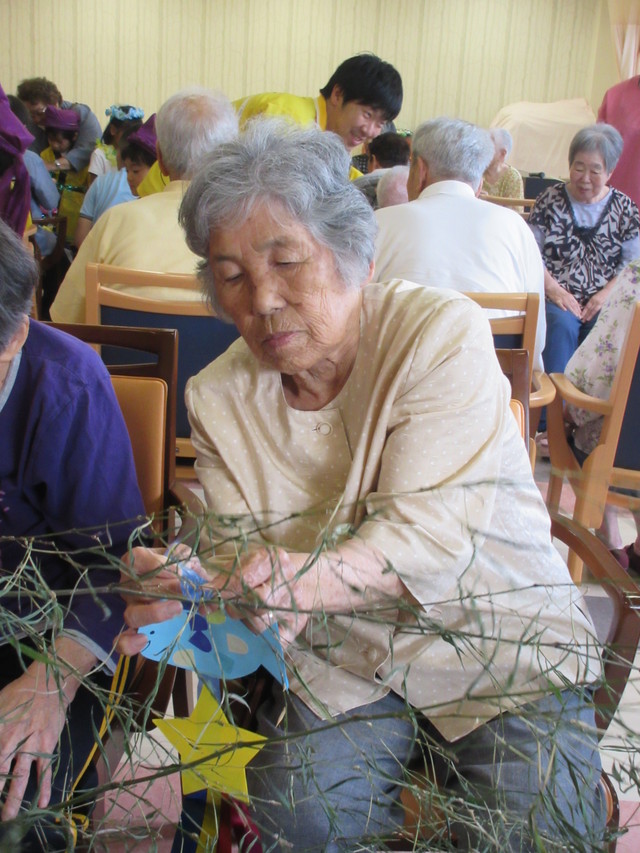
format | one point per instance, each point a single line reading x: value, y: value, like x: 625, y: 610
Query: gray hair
x: 453, y: 150
x: 18, y: 278
x: 602, y: 138
x: 501, y: 138
x: 305, y: 171
x: 190, y: 124
x: 392, y: 187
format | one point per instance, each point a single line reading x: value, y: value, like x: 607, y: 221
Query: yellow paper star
x: 222, y: 750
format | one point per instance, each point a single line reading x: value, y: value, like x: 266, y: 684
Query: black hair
x: 67, y: 134
x: 119, y: 123
x: 390, y: 149
x: 127, y: 130
x: 18, y: 109
x: 369, y: 80
x: 137, y: 154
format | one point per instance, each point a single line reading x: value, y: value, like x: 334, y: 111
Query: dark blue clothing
x: 67, y: 476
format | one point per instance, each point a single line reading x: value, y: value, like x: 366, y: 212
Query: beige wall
x: 459, y: 57
x: 605, y: 72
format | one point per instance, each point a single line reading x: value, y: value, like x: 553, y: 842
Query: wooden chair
x: 159, y: 349
x: 615, y: 462
x: 202, y: 336
x: 617, y: 621
x: 515, y: 366
x: 616, y: 617
x: 523, y: 206
x: 519, y: 329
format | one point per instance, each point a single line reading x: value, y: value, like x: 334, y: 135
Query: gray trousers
x: 524, y: 781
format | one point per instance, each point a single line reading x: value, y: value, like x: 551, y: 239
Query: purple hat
x: 15, y: 187
x: 57, y: 119
x: 145, y: 136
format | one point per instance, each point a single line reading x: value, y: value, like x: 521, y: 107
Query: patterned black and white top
x: 583, y: 258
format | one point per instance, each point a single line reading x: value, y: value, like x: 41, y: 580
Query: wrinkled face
x: 136, y: 173
x: 283, y: 292
x: 588, y: 177
x: 58, y: 142
x: 352, y: 121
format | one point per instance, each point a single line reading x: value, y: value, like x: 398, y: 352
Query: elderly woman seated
x: 68, y: 504
x: 358, y: 439
x: 587, y: 232
x: 501, y: 179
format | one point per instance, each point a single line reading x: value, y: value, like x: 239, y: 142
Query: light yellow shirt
x: 141, y: 236
x: 420, y: 457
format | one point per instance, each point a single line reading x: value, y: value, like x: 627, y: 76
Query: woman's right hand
x: 556, y: 293
x: 155, y: 591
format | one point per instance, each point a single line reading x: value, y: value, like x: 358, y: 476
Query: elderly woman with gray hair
x: 358, y: 440
x: 587, y: 233
x: 501, y: 179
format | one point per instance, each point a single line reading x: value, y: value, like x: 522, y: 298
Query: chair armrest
x: 542, y: 390
x: 189, y: 508
x: 183, y: 497
x: 570, y: 394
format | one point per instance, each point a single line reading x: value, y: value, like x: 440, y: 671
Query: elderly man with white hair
x: 446, y: 236
x: 146, y: 235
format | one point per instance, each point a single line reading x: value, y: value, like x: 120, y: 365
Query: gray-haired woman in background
x: 360, y: 438
x: 587, y: 233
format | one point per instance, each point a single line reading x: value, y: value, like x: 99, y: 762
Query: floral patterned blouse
x: 508, y: 185
x: 593, y: 365
x: 583, y: 258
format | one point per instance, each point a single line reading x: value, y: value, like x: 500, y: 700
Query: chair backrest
x: 147, y: 395
x: 515, y: 366
x: 143, y: 401
x: 202, y: 336
x: 522, y: 206
x: 518, y: 330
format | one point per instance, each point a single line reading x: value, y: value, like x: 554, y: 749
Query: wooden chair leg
x: 575, y: 566
x: 554, y: 491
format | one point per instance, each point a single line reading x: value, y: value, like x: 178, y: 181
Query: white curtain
x: 625, y: 26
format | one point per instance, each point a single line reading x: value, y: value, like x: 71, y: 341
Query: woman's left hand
x: 33, y: 710
x: 593, y: 306
x: 32, y: 715
x: 280, y: 588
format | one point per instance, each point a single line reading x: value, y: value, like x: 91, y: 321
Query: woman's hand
x: 155, y: 591
x: 598, y: 299
x: 33, y: 710
x: 32, y: 714
x: 593, y: 306
x: 556, y: 293
x: 280, y: 589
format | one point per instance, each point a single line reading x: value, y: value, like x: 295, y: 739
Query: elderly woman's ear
x: 16, y: 342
